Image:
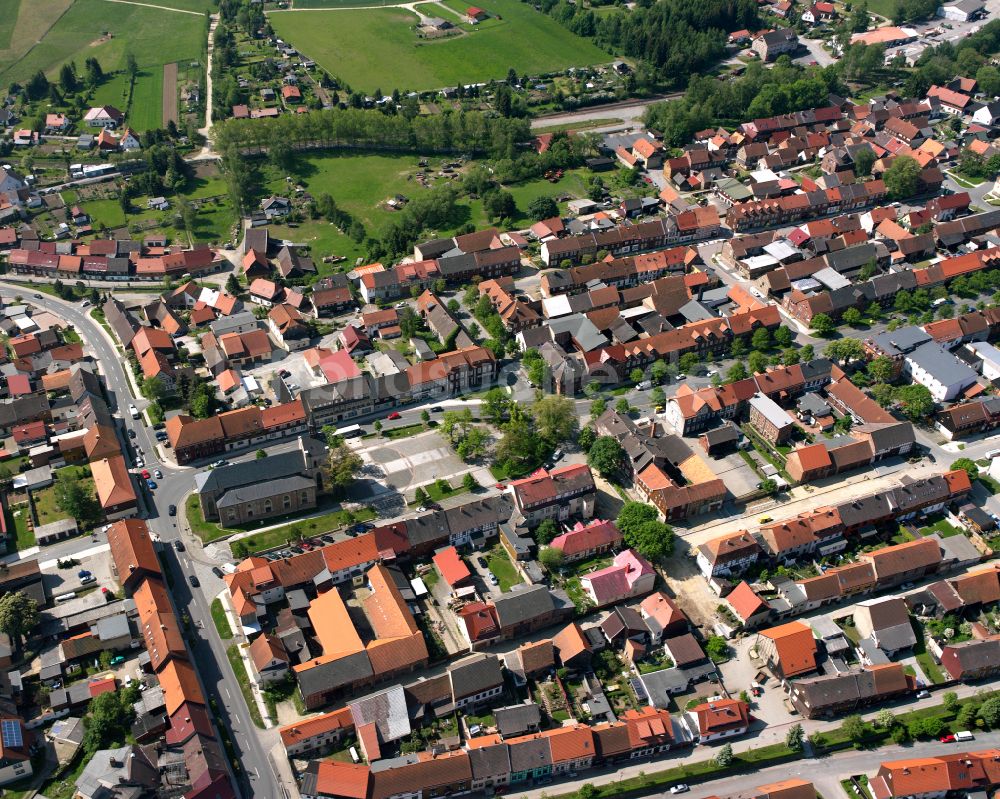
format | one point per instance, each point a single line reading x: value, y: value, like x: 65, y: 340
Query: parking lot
x: 735, y: 472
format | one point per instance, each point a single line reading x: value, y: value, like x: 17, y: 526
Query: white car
x: 134, y: 411
x: 680, y: 788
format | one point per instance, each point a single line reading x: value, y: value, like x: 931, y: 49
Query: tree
x: 884, y: 719
x: 555, y: 418
x: 915, y: 401
x: 623, y: 407
x: 902, y: 178
x: 724, y: 757
x: 845, y: 350
x: 598, y: 407
x: 658, y: 397
x: 551, y: 558
x: 585, y: 438
x: 94, y: 72
x: 153, y: 389
x: 425, y: 417
x: 852, y: 316
x: 658, y: 371
x: 635, y: 375
x: 131, y: 66
x: 343, y: 463
x: 420, y: 496
x: 496, y: 405
x: 606, y: 456
x: 969, y: 466
x: 967, y: 715
x: 783, y: 337
x: 989, y: 711
x: 808, y: 352
x: 864, y: 159
x: 469, y: 482
x: 68, y: 81
x: 546, y: 531
x: 261, y: 454
x: 717, y: 648
x: 795, y: 737
x: 642, y: 530
x: 18, y: 615
x: 757, y: 362
x: 854, y: 728
x: 233, y: 284
x: 950, y: 698
x: 543, y: 208
x: 823, y: 324
x: 761, y: 339
x: 769, y: 486
x: 880, y: 369
x: 79, y: 501
x: 109, y: 716
x: 378, y: 427
x: 736, y: 372
x: 587, y: 791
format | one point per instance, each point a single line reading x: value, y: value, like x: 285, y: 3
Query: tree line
x: 676, y: 38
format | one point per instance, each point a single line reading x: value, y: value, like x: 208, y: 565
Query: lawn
x: 24, y: 538
x: 46, y: 507
x: 435, y: 492
x: 240, y: 669
x: 8, y: 12
x: 500, y: 565
x: 147, y: 99
x: 47, y: 38
x: 221, y: 620
x: 942, y: 527
x: 379, y: 49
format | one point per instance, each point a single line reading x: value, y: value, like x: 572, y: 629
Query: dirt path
x: 170, y: 94
x: 151, y: 5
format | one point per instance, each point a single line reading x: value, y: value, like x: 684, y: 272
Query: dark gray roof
x: 329, y: 676
x: 945, y: 367
x: 284, y: 464
x: 973, y: 656
x: 530, y: 754
x: 835, y: 689
x: 864, y: 510
x: 517, y: 719
x: 479, y: 513
x: 474, y: 674
x: 523, y: 602
x: 888, y: 435
x: 269, y: 488
x: 489, y: 761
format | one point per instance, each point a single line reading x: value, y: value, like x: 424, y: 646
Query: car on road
x: 765, y: 519
x: 681, y: 377
x: 134, y: 411
x: 158, y: 474
x: 923, y: 694
x: 644, y: 385
x: 193, y: 579
x: 500, y: 486
x: 179, y: 546
x: 393, y: 416
x: 151, y: 485
x: 217, y: 571
x: 88, y: 579
x: 680, y: 788
x: 38, y: 296
x: 172, y: 510
x: 219, y: 463
x: 947, y: 738
x: 145, y: 474
x: 131, y: 433
x: 139, y: 462
x: 436, y: 409
x: 284, y: 373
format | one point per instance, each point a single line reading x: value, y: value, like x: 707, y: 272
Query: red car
x: 393, y: 415
x: 145, y: 474
x: 500, y: 486
x: 947, y: 739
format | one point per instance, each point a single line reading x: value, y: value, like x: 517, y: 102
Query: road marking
x: 227, y: 693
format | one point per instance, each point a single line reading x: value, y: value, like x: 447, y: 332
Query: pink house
x: 630, y: 575
x: 585, y: 541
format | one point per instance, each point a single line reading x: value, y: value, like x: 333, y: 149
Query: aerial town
x: 565, y: 401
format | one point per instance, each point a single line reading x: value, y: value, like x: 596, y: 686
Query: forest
x: 675, y: 38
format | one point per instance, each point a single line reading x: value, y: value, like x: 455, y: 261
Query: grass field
x: 360, y: 183
x: 8, y: 13
x: 378, y: 49
x: 76, y: 30
x: 46, y: 505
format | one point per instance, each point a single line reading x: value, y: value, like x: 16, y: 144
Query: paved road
x: 209, y: 653
x: 629, y: 111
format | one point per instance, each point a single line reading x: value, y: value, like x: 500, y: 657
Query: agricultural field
x: 378, y: 48
x: 64, y: 30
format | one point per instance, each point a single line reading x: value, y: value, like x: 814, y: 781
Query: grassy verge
x: 233, y: 653
x: 23, y: 537
x: 436, y: 492
x: 315, y: 525
x: 221, y: 622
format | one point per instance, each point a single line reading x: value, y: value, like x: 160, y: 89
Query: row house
x: 804, y: 205
x: 620, y: 272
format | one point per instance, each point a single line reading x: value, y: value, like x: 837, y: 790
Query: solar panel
x: 10, y: 731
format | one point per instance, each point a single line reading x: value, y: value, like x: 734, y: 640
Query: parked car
x: 392, y: 416
x: 131, y: 433
x: 151, y: 485
x: 83, y: 573
x: 500, y: 486
x: 948, y: 738
x: 436, y: 409
x: 134, y: 411
x: 195, y: 582
x: 179, y: 545
x: 680, y: 788
x: 483, y: 563
x: 145, y: 474
x: 158, y: 474
x: 217, y: 571
x: 492, y: 578
x: 88, y: 579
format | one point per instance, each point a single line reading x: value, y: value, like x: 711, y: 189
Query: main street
x: 258, y: 777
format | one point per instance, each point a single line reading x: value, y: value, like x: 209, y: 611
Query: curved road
x: 258, y: 778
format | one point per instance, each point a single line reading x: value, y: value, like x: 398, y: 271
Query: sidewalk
x: 240, y: 640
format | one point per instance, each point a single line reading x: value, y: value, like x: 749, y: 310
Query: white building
x: 939, y: 371
x: 962, y: 10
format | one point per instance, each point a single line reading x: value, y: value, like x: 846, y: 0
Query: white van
x: 964, y: 735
